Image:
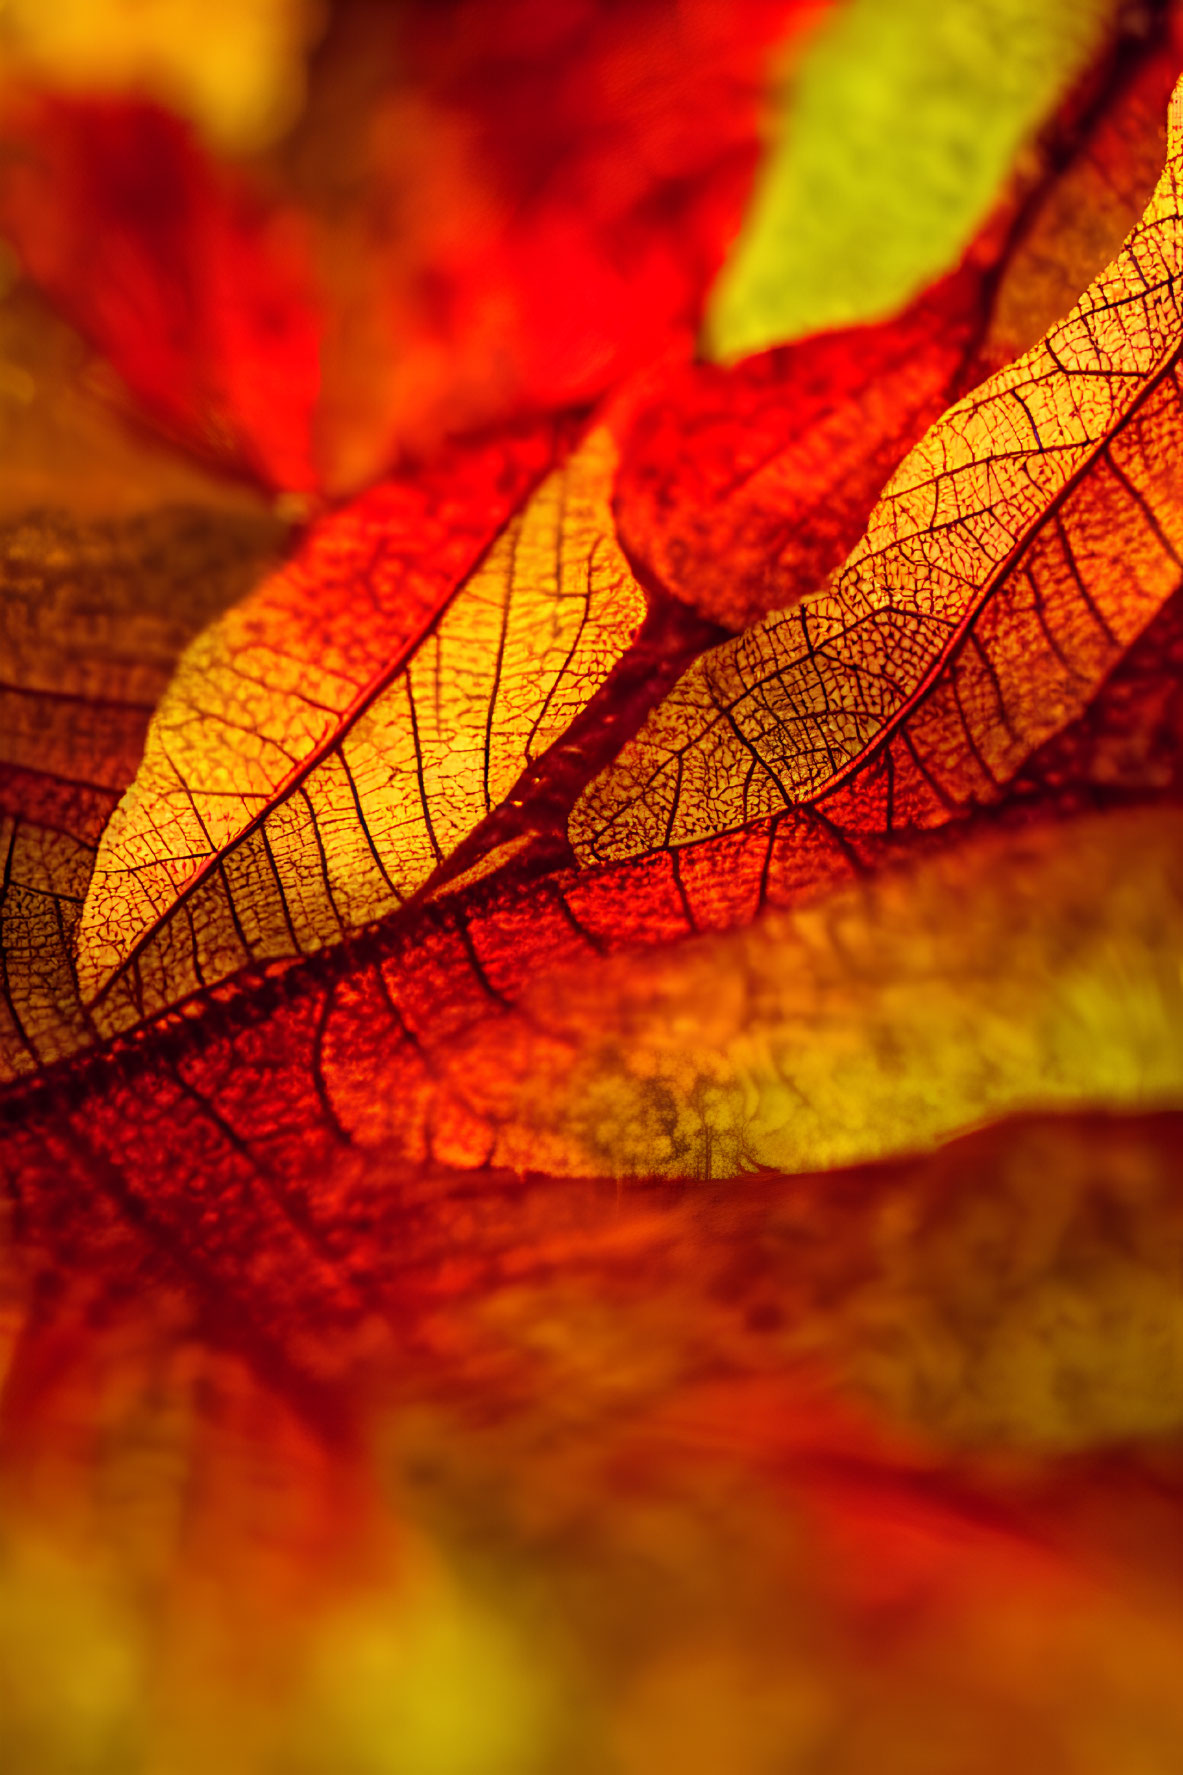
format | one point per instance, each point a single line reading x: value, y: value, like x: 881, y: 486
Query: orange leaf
x: 740, y: 489
x: 330, y: 742
x: 1018, y: 551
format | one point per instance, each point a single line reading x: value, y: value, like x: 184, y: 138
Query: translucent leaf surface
x: 1024, y: 543
x: 742, y: 488
x: 900, y: 130
x: 332, y: 742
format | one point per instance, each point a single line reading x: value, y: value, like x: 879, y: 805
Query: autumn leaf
x: 742, y: 488
x: 1035, y: 521
x: 223, y: 856
x: 298, y: 786
x: 459, y: 975
x: 493, y: 1276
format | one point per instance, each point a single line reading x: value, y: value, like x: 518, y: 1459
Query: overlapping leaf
x: 667, y: 1474
x: 199, y: 860
x: 1028, y: 539
x: 742, y: 488
x: 317, y: 758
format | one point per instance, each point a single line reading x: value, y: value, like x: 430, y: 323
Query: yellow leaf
x: 321, y: 750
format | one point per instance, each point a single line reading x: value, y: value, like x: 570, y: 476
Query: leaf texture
x: 742, y: 488
x: 92, y: 618
x: 431, y: 1262
x: 497, y: 1035
x: 318, y: 757
x: 1038, y: 520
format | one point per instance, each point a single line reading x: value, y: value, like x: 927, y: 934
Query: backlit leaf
x: 1024, y: 544
x: 742, y: 488
x: 901, y: 127
x: 331, y: 742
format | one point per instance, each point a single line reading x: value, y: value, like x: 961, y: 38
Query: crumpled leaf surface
x: 520, y: 1312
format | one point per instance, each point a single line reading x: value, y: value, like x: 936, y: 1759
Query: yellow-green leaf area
x: 901, y: 123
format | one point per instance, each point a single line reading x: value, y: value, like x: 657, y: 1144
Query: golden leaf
x: 326, y: 745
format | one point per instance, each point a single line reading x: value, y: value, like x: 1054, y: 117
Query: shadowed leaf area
x: 591, y: 1017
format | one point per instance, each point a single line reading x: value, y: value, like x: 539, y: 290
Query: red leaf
x: 508, y: 211
x: 199, y: 296
x: 742, y: 488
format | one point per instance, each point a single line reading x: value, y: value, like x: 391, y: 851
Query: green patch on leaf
x: 904, y: 119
